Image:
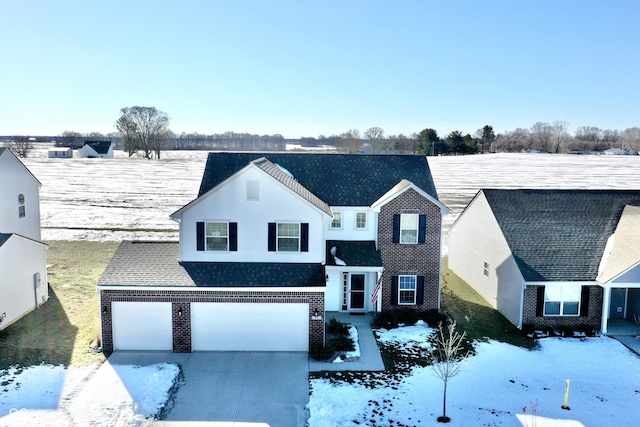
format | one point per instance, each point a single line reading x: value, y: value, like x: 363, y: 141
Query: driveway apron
x: 236, y: 387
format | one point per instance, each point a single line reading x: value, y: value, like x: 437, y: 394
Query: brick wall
x: 593, y: 320
x: 419, y: 259
x: 181, y: 303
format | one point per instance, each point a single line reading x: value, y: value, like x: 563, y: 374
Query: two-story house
x: 272, y: 242
x: 23, y: 257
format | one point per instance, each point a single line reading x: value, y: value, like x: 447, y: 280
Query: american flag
x: 376, y: 291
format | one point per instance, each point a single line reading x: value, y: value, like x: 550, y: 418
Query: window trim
x: 207, y: 236
x: 401, y: 290
x: 298, y: 237
x: 486, y: 269
x: 22, y: 210
x: 562, y: 301
x: 366, y: 222
x: 339, y: 214
x: 417, y: 229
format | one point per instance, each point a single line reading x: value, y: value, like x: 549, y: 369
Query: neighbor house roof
x: 354, y: 253
x: 4, y: 237
x: 100, y: 147
x: 156, y: 264
x: 337, y: 179
x: 559, y: 235
x: 625, y: 250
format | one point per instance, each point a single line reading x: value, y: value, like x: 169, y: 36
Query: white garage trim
x: 142, y: 326
x: 249, y: 326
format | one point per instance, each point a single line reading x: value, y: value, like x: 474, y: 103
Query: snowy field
x: 495, y: 387
x: 132, y: 198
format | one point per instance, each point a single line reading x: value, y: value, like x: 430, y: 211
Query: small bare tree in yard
x: 145, y: 129
x: 20, y: 146
x: 448, y: 356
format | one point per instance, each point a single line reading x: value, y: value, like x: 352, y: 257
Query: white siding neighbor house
x: 96, y: 149
x: 60, y: 153
x: 552, y: 258
x: 23, y: 281
x: 272, y: 243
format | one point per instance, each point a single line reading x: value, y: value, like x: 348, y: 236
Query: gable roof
x: 4, y: 237
x: 337, y: 179
x: 558, y: 235
x: 6, y: 150
x: 400, y: 188
x: 100, y: 147
x: 625, y: 251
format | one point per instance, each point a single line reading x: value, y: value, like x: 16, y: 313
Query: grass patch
x: 65, y: 329
x: 473, y: 313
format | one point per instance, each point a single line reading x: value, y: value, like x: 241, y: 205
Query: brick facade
x: 181, y: 309
x: 592, y: 320
x: 419, y: 259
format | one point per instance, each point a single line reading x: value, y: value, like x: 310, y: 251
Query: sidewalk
x: 630, y: 342
x: 370, y: 359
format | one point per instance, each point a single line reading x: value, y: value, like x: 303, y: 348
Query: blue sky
x: 305, y: 68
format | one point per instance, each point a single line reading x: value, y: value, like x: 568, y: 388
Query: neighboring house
x: 271, y: 243
x: 542, y: 257
x: 61, y: 153
x: 23, y: 265
x: 94, y: 149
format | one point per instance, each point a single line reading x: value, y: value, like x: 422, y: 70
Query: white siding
x: 348, y: 231
x: 142, y: 326
x: 630, y: 278
x: 335, y: 288
x: 20, y: 260
x: 229, y: 204
x: 249, y: 327
x: 476, y: 238
x: 15, y: 179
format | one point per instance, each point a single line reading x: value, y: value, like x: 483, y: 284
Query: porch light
x: 104, y: 309
x: 315, y: 313
x: 180, y: 311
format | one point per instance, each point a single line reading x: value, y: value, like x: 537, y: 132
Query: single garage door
x: 142, y: 326
x: 249, y: 327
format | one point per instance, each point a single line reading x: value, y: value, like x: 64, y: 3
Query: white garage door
x: 142, y: 326
x: 249, y: 326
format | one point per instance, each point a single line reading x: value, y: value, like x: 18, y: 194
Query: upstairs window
x: 486, y: 269
x: 217, y: 236
x: 361, y: 220
x: 288, y: 237
x: 409, y: 228
x: 21, y: 208
x: 562, y: 300
x: 337, y: 220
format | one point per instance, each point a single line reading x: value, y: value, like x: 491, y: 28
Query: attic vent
x: 283, y: 169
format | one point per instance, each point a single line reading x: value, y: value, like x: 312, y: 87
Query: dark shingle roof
x: 100, y: 147
x: 4, y: 236
x: 354, y: 253
x: 559, y: 235
x: 337, y: 179
x: 156, y: 264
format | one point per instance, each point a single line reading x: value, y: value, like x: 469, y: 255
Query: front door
x: 356, y: 292
x: 618, y: 303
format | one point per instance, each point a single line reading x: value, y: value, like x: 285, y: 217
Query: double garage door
x: 214, y: 326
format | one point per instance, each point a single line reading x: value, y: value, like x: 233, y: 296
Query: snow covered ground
x: 112, y: 395
x: 494, y: 388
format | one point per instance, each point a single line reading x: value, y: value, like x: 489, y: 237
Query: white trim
x: 415, y: 289
x: 399, y: 189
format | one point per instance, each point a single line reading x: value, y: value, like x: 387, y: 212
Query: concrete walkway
x: 370, y: 359
x: 630, y: 342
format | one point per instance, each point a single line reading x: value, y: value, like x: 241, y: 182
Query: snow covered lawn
x: 122, y: 395
x: 496, y: 384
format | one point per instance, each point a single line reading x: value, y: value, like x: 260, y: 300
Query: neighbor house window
x: 562, y: 300
x: 217, y: 236
x: 407, y: 290
x: 337, y: 220
x: 361, y: 220
x: 288, y: 237
x: 253, y: 190
x: 409, y: 228
x: 486, y: 269
x: 21, y: 208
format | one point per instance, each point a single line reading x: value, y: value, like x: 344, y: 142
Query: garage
x: 249, y: 326
x: 142, y: 326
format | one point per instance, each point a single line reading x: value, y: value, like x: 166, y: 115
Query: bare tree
x: 631, y: 139
x: 588, y: 138
x: 350, y: 141
x: 375, y: 135
x: 560, y: 136
x: 448, y: 356
x: 611, y: 137
x: 512, y: 141
x: 20, y: 146
x: 143, y: 129
x: 541, y: 137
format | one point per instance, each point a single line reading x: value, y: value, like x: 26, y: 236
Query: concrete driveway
x: 233, y: 388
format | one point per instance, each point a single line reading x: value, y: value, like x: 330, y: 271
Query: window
x: 21, y: 208
x: 409, y: 228
x: 253, y: 190
x: 217, y: 236
x: 562, y: 300
x: 407, y: 290
x: 288, y: 237
x: 337, y: 220
x: 361, y: 220
x: 486, y: 269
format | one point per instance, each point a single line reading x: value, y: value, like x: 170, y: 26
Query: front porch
x: 622, y: 327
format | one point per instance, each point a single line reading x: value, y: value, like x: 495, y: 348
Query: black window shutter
x: 200, y: 236
x: 233, y: 236
x: 396, y: 228
x: 272, y: 237
x: 584, y: 302
x: 540, y: 302
x: 422, y: 228
x: 394, y: 290
x: 420, y: 290
x: 304, y: 237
